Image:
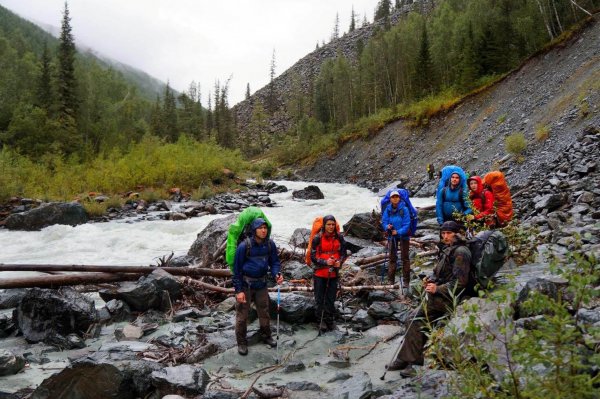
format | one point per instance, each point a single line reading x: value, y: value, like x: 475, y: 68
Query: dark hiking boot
x: 331, y: 326
x: 270, y: 341
x: 406, y: 281
x: 408, y: 372
x: 243, y: 349
x: 396, y: 365
x: 323, y: 326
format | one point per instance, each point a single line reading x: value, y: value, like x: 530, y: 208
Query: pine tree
x: 67, y: 84
x: 44, y: 89
x: 170, y: 115
x: 352, y: 21
x: 383, y: 9
x: 336, y: 28
x: 424, y: 71
x: 247, y: 91
x: 271, y: 96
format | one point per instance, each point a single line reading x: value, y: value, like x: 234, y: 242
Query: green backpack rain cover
x: 236, y: 229
x: 489, y: 250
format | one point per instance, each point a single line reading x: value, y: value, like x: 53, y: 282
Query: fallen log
x: 55, y: 281
x: 284, y: 288
x: 176, y: 271
x: 381, y: 257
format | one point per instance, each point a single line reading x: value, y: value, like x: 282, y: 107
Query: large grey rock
x: 539, y: 285
x: 363, y: 321
x: 300, y: 237
x: 99, y: 377
x: 309, y: 192
x: 357, y: 387
x: 294, y: 308
x: 211, y: 238
x: 10, y: 298
x: 71, y: 213
x: 10, y: 363
x: 550, y: 202
x: 354, y: 244
x: 155, y: 291
x: 184, y: 380
x: 294, y: 270
x: 364, y: 225
x: 45, y: 315
x: 380, y: 310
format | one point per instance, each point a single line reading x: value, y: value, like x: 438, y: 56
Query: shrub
x: 94, y: 208
x: 542, y: 133
x: 516, y: 144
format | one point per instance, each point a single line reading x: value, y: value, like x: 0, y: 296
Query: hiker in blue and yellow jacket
x: 255, y: 257
x: 395, y: 220
x: 452, y: 194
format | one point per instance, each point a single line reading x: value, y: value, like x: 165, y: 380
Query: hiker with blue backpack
x: 395, y: 220
x: 452, y: 196
x: 255, y: 258
x: 451, y: 278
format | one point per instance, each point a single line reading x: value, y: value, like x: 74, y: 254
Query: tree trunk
x: 56, y: 281
x: 176, y: 271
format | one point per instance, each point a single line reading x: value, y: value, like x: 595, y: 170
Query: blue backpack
x: 414, y: 219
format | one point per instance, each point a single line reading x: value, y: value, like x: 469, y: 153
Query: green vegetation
x: 516, y: 144
x: 187, y: 164
x: 421, y: 67
x: 549, y: 356
x: 542, y: 133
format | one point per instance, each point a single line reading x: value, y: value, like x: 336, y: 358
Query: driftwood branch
x: 176, y: 271
x: 284, y: 288
x: 66, y: 279
x: 581, y: 8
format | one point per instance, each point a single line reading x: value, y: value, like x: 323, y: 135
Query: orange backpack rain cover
x: 317, y: 226
x: 503, y: 201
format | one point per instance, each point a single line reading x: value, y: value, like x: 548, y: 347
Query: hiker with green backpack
x: 451, y: 278
x: 255, y: 258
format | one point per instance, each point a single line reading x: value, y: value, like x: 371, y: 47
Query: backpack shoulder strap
x: 248, y: 243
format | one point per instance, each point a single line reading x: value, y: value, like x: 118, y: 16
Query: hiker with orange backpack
x: 395, y: 220
x: 496, y: 182
x: 482, y: 200
x: 327, y: 254
x: 255, y: 258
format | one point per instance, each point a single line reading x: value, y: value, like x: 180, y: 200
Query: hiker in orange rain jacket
x: 328, y: 252
x: 482, y: 200
x: 496, y: 182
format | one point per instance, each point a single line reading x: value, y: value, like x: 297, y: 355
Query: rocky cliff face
x: 305, y: 71
x: 556, y: 91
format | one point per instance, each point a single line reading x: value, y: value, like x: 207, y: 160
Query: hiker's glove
x: 279, y: 278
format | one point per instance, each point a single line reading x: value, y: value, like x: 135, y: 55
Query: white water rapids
x: 142, y: 243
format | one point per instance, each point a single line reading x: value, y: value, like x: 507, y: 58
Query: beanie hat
x: 452, y: 226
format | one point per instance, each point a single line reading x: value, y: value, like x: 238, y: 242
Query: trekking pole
x: 385, y: 261
x: 401, y: 344
x: 323, y: 300
x: 278, y: 307
x: 343, y: 307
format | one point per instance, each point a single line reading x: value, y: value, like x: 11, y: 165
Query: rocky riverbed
x: 159, y: 336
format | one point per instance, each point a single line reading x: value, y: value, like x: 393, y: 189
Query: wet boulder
x: 99, y: 377
x: 183, y: 380
x: 357, y: 387
x: 354, y: 244
x: 294, y: 270
x: 71, y: 214
x: 10, y: 298
x: 300, y: 237
x: 294, y: 308
x: 211, y: 238
x: 10, y: 363
x: 365, y: 226
x: 308, y: 193
x: 540, y: 285
x: 155, y: 291
x: 47, y: 315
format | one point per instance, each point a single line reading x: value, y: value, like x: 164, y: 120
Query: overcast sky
x: 201, y: 40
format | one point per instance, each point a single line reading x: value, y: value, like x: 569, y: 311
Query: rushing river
x: 141, y: 243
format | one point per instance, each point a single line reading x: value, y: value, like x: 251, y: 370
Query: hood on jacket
x: 326, y: 219
x: 479, y: 184
x: 256, y: 223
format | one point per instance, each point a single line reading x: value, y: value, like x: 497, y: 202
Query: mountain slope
x: 558, y: 90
